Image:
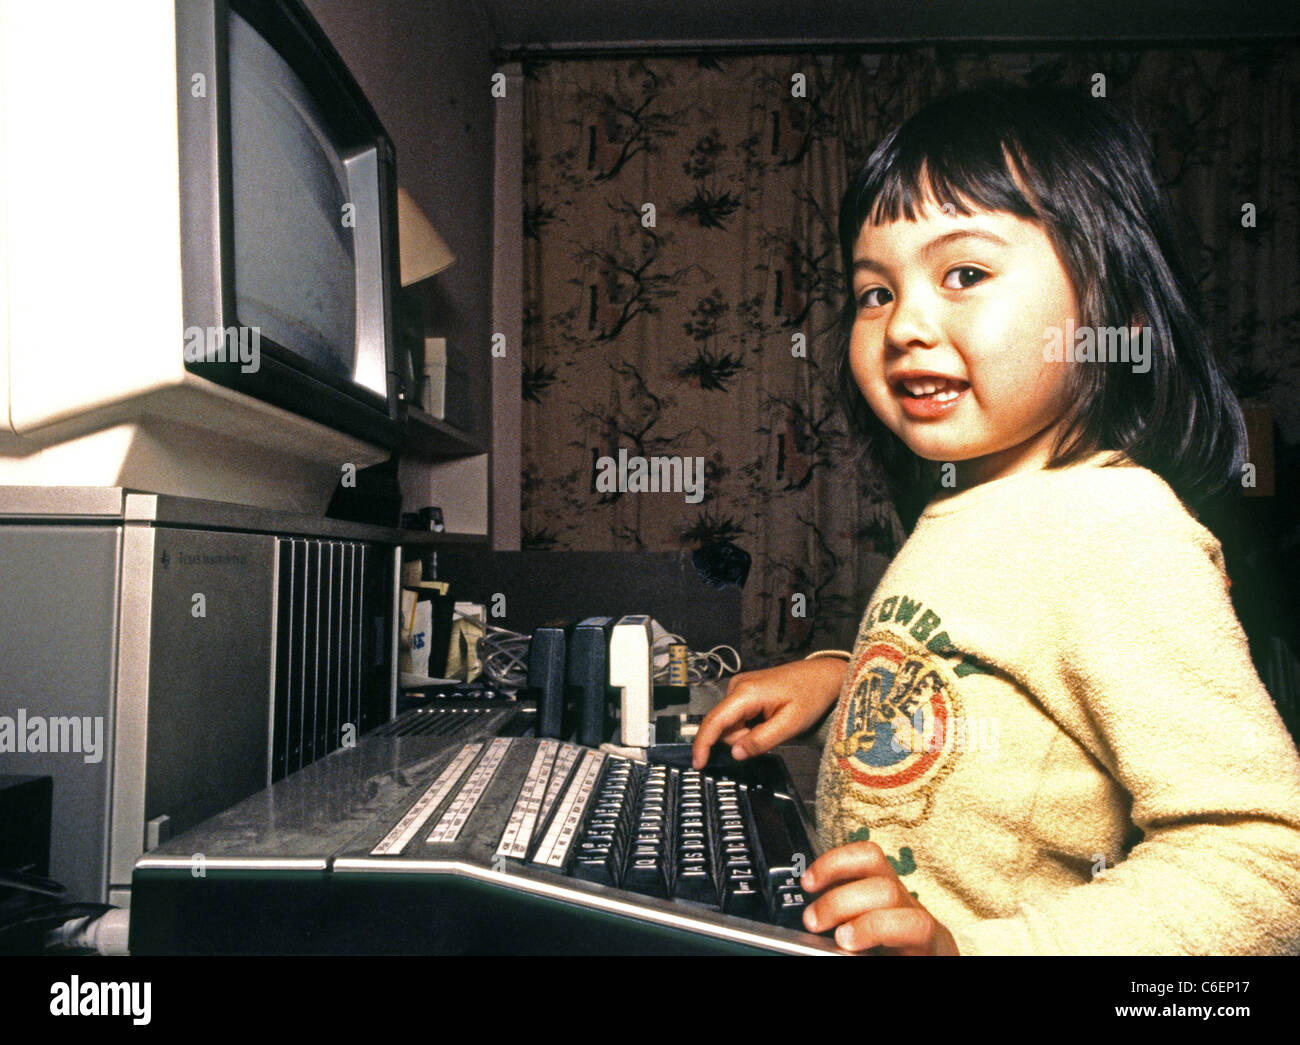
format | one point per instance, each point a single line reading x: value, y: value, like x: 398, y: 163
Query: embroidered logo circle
x: 892, y: 734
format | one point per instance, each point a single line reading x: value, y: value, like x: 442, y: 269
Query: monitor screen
x: 296, y: 270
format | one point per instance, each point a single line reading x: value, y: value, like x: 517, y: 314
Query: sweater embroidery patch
x: 892, y: 739
x: 923, y: 625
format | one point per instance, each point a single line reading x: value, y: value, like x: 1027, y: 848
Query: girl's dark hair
x: 1085, y: 174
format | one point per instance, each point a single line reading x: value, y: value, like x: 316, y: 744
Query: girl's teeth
x: 925, y: 388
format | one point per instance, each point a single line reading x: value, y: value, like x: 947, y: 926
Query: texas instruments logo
x: 186, y: 559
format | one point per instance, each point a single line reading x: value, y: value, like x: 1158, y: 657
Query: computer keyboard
x: 500, y: 845
x: 674, y: 833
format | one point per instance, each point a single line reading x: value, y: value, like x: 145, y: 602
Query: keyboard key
x: 695, y: 883
x: 742, y: 898
x: 646, y: 874
x: 786, y: 901
x: 790, y: 906
x: 773, y: 840
x: 594, y: 869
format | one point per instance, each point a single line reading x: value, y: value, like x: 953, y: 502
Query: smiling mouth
x: 934, y: 389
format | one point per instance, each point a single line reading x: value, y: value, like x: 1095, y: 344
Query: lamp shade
x: 423, y: 251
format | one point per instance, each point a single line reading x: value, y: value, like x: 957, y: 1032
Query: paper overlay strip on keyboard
x: 409, y: 826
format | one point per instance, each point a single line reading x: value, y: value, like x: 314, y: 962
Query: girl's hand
x: 790, y: 698
x: 864, y: 898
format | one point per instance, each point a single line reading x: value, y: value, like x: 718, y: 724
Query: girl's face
x: 947, y: 342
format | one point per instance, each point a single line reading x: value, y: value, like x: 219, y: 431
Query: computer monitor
x: 200, y: 256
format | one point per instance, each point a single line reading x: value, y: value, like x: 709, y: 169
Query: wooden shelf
x: 420, y: 538
x: 426, y: 434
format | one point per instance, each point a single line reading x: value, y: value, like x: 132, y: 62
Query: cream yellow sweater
x: 1052, y: 726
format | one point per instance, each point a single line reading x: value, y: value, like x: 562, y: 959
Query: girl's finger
x: 733, y: 735
x: 845, y: 863
x: 909, y: 930
x: 847, y: 902
x: 732, y: 713
x: 763, y: 737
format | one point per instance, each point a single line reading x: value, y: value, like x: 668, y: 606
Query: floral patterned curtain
x: 682, y: 276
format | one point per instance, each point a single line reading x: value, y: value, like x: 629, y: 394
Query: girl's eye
x: 962, y: 283
x: 866, y: 299
x: 966, y: 276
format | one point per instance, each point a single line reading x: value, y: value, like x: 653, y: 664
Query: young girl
x: 1049, y: 736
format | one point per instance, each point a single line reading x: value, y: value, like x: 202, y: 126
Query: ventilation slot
x: 319, y: 661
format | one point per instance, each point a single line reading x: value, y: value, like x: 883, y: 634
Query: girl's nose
x: 911, y: 323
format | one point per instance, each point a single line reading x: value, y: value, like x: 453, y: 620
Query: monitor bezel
x: 282, y: 378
